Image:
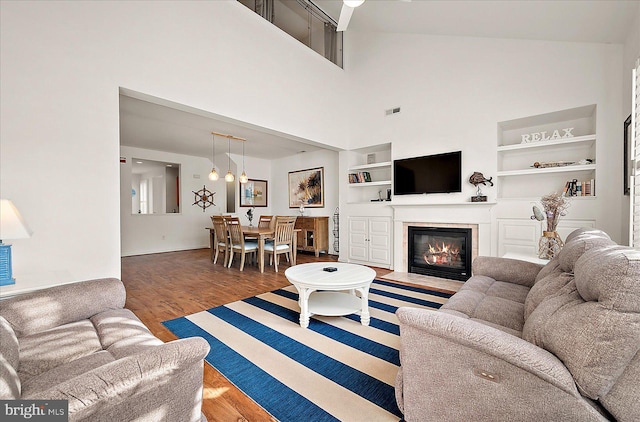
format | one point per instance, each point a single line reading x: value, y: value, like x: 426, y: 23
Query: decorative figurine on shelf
x: 250, y: 215
x: 476, y: 180
x: 554, y: 206
x: 301, y: 209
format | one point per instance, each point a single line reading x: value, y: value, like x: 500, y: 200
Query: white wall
x: 454, y: 90
x: 280, y: 177
x: 62, y: 64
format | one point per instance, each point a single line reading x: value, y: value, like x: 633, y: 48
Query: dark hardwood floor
x: 174, y: 284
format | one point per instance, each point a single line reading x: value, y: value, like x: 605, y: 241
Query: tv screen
x: 440, y: 173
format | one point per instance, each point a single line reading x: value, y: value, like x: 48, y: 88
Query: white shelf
x: 370, y: 166
x: 365, y: 184
x: 562, y: 169
x: 397, y: 203
x: 537, y: 198
x: 369, y: 202
x: 545, y: 144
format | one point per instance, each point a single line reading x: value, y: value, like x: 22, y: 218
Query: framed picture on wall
x: 306, y: 187
x: 627, y: 154
x: 253, y: 193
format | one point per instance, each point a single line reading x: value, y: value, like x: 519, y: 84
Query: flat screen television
x: 439, y: 173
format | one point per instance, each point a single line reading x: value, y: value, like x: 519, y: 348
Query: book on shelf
x: 579, y: 188
x: 359, y: 177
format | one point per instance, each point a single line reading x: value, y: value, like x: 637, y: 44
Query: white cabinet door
x: 370, y: 240
x: 358, y: 240
x: 521, y: 236
x: 380, y: 240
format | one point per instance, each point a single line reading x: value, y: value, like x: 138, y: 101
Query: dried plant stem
x: 554, y: 205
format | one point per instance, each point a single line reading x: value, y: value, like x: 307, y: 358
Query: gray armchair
x: 76, y: 342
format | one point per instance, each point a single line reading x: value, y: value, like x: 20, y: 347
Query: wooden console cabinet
x: 314, y: 234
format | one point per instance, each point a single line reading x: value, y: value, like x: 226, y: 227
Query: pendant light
x: 229, y: 177
x: 213, y: 176
x: 243, y: 176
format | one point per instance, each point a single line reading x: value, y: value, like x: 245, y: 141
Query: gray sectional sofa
x: 524, y: 342
x: 76, y: 342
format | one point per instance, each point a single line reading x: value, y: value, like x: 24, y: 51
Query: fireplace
x: 440, y: 252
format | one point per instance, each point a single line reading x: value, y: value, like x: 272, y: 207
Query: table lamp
x: 12, y: 226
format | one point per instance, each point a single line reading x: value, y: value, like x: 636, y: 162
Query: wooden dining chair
x: 265, y: 221
x: 221, y: 238
x: 282, y: 240
x: 237, y: 242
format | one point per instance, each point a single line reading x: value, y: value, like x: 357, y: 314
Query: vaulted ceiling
x: 182, y: 130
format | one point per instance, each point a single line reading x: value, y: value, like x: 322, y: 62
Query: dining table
x: 262, y: 234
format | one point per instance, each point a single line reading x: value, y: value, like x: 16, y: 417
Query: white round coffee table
x: 325, y: 293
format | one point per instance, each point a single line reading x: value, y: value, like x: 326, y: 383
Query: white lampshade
x: 353, y: 3
x: 12, y: 226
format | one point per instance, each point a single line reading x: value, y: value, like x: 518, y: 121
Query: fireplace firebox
x: 440, y: 252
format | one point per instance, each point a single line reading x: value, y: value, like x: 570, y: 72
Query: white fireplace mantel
x: 399, y: 204
x: 476, y: 214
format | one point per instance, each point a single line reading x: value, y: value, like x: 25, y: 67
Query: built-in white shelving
x: 376, y: 161
x: 517, y: 175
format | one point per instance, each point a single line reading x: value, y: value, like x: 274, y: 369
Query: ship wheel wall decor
x: 203, y: 198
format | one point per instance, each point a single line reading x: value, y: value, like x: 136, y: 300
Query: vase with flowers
x: 554, y: 206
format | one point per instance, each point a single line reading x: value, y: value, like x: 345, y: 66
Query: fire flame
x: 444, y: 254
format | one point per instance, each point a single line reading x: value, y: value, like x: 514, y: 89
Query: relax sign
x: 544, y: 136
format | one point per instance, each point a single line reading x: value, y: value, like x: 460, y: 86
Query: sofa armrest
x: 459, y: 369
x: 43, y: 309
x: 121, y: 381
x: 506, y: 269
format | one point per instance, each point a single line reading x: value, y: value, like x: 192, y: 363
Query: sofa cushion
x: 497, y: 303
x: 594, y: 325
x: 116, y: 324
x: 610, y: 280
x: 559, y: 271
x: 552, y: 285
x: 44, y: 351
x: 622, y: 400
x: 65, y: 372
x: 551, y: 267
x: 10, y: 387
x: 36, y: 312
x: 122, y: 333
x: 578, y: 244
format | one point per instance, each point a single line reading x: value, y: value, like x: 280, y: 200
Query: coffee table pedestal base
x: 333, y: 303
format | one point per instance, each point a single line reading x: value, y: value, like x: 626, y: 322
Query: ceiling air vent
x: 392, y: 111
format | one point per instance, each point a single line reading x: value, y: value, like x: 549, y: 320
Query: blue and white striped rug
x: 336, y: 369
